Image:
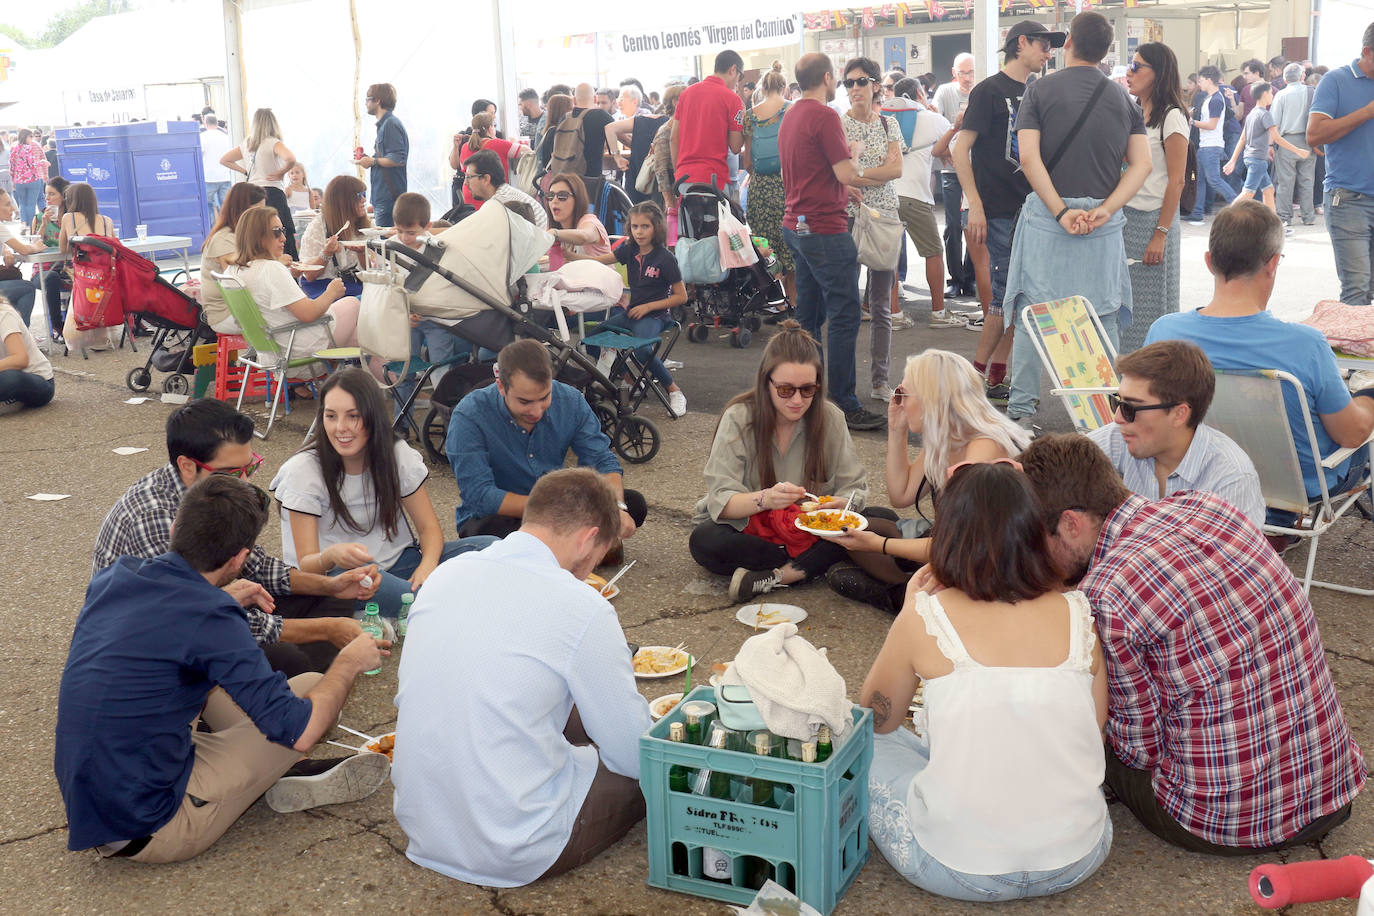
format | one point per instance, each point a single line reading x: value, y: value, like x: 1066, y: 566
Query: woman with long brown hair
x: 83, y: 217
x: 219, y: 250
x: 577, y: 233
x: 483, y: 136
x: 774, y: 443
x: 342, y: 215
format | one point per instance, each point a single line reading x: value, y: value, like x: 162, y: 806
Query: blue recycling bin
x: 147, y: 172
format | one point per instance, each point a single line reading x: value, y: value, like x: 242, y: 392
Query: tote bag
x: 879, y: 237
x: 384, y: 317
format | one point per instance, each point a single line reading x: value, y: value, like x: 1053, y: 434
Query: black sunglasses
x: 279, y: 232
x: 1128, y: 411
x: 858, y: 81
x: 1135, y: 66
x: 558, y: 195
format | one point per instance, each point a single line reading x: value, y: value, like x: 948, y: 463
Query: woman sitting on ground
x: 940, y: 399
x: 774, y: 443
x: 577, y: 233
x: 1002, y: 796
x: 355, y: 494
x: 25, y: 373
x: 219, y: 250
x: 342, y: 216
x: 83, y: 217
x: 259, y: 264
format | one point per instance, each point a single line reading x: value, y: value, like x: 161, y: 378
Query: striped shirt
x: 1217, y: 679
x: 1213, y: 463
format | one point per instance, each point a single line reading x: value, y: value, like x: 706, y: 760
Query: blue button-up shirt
x: 394, y: 144
x: 1349, y: 160
x: 151, y: 643
x: 492, y: 455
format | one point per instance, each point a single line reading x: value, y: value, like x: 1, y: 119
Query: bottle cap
x: 763, y: 743
x: 809, y: 752
x: 692, y: 717
x: 408, y: 597
x: 718, y: 738
x: 823, y: 733
x: 677, y: 732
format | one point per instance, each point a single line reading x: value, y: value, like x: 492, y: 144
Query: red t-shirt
x: 810, y: 142
x: 706, y: 114
x: 502, y: 148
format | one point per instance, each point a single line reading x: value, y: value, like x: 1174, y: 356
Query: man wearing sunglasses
x: 1158, y: 443
x: 300, y: 619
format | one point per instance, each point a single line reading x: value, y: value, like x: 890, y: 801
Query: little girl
x: 298, y: 189
x: 655, y: 287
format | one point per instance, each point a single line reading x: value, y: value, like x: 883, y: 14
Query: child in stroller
x: 747, y: 294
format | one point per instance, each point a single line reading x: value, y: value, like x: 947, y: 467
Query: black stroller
x: 468, y: 280
x: 746, y: 295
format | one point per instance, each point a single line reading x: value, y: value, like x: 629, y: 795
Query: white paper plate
x: 597, y: 582
x: 660, y: 674
x: 860, y: 526
x: 353, y: 243
x: 372, y: 232
x: 661, y: 706
x: 749, y: 615
x: 308, y: 268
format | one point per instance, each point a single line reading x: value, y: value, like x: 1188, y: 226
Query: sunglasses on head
x: 786, y: 391
x: 857, y: 81
x: 1128, y: 411
x: 240, y: 472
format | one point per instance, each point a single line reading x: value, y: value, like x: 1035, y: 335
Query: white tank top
x: 263, y: 162
x: 1016, y: 758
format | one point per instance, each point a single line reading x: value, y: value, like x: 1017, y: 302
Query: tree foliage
x: 62, y: 25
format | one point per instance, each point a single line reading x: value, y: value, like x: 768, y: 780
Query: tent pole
x: 234, y: 72
x: 357, y: 78
x: 506, y: 102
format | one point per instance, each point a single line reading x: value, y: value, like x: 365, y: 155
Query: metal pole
x: 234, y: 73
x: 984, y: 46
x: 506, y: 101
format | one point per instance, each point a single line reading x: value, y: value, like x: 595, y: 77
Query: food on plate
x: 769, y: 619
x: 595, y: 581
x: 659, y: 661
x: 386, y: 744
x: 665, y: 705
x: 811, y: 505
x: 830, y: 519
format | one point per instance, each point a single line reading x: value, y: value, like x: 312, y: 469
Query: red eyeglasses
x: 246, y: 470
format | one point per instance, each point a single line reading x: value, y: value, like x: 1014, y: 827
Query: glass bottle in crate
x: 717, y: 865
x: 761, y: 790
x: 372, y: 626
x: 823, y: 746
x: 678, y: 776
x: 693, y: 727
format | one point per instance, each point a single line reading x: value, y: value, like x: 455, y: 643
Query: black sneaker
x: 999, y: 393
x: 748, y: 583
x: 860, y: 419
x: 852, y: 582
x: 311, y: 783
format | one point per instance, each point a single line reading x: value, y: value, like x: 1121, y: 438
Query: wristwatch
x: 1163, y: 229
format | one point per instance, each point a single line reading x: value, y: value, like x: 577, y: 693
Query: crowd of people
x: 1082, y: 609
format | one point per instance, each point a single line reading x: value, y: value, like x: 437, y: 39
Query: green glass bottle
x: 823, y: 746
x: 762, y: 789
x: 678, y: 774
x: 693, y: 728
x: 372, y: 626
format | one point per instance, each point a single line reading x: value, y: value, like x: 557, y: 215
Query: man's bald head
x: 811, y: 70
x: 584, y: 95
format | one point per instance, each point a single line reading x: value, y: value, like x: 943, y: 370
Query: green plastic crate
x: 817, y: 842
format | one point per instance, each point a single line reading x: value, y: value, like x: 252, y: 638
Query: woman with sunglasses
x: 577, y: 233
x: 1001, y: 796
x: 774, y: 443
x: 259, y: 264
x: 355, y: 494
x: 875, y: 146
x: 265, y: 160
x: 341, y: 218
x: 1152, y: 215
x: 941, y: 399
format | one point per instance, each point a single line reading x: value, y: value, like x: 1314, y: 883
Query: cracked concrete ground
x: 351, y: 857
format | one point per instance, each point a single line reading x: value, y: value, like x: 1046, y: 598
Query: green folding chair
x: 272, y: 344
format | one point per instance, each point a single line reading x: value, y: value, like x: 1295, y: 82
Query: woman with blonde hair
x: 342, y: 215
x: 941, y: 398
x: 483, y: 136
x: 265, y: 159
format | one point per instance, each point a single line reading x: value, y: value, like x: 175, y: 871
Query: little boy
x: 1260, y: 130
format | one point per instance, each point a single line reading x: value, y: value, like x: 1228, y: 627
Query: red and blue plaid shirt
x: 1217, y: 678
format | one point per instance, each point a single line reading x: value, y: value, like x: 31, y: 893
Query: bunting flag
x: 968, y: 7
x: 1006, y: 5
x: 903, y: 13
x: 935, y: 9
x: 841, y: 21
x: 1132, y: 3
x: 868, y: 20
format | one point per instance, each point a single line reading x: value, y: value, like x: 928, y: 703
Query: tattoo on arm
x: 882, y: 708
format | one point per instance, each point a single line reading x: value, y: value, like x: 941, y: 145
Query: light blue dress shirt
x: 501, y: 644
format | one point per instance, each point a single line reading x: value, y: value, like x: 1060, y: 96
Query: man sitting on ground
x: 486, y: 179
x: 160, y: 643
x: 1158, y: 443
x: 314, y: 614
x: 1237, y: 331
x: 1226, y: 733
x: 505, y: 437
x: 513, y: 784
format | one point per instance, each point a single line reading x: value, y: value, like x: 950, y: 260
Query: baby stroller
x: 746, y: 294
x: 468, y: 279
x: 130, y: 287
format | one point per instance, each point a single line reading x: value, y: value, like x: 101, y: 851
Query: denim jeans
x: 25, y: 387
x: 395, y: 581
x: 650, y: 325
x: 1209, y: 180
x: 28, y: 197
x: 20, y: 293
x: 1025, y: 367
x: 443, y: 348
x: 957, y: 260
x: 1257, y: 175
x: 1293, y: 180
x: 215, y: 192
x: 828, y: 292
x: 1351, y: 225
x: 1000, y: 232
x: 897, y: 758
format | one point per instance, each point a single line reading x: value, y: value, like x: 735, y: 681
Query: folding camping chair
x: 1077, y: 353
x: 272, y: 353
x: 642, y: 383
x: 1249, y: 407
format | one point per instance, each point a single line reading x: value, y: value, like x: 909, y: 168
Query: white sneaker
x: 944, y: 318
x: 671, y: 364
x: 901, y: 321
x: 882, y: 393
x: 974, y: 322
x: 677, y: 403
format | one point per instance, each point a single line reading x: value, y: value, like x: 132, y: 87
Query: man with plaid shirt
x: 313, y: 616
x: 1226, y: 732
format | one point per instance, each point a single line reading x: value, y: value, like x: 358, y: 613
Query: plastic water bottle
x: 406, y: 601
x: 802, y: 227
x: 372, y: 626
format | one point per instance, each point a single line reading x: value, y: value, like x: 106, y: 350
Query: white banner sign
x: 108, y: 104
x: 711, y: 38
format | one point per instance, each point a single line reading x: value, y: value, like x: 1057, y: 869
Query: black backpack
x: 1188, y: 199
